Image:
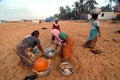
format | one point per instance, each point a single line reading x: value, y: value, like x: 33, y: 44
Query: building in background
x: 104, y: 16
x: 117, y: 12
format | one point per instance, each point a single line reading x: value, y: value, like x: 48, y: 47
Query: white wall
x: 35, y: 21
x: 107, y: 15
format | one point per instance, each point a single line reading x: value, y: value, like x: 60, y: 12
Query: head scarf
x: 62, y: 35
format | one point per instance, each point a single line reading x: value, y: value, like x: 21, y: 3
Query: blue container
x: 35, y: 51
x: 48, y: 20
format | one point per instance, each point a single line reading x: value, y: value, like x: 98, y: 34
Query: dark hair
x: 94, y: 16
x: 34, y: 33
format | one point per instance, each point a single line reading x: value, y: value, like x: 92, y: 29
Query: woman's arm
x: 56, y: 46
x: 53, y: 26
x: 59, y: 28
x: 40, y: 48
x: 98, y: 28
x: 99, y: 31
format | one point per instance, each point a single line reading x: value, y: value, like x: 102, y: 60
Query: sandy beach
x: 87, y: 65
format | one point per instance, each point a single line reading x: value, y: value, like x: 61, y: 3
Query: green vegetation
x: 82, y: 7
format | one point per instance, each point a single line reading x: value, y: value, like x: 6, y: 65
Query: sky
x: 34, y: 9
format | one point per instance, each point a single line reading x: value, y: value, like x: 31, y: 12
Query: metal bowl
x: 66, y: 71
x: 42, y: 74
x: 50, y: 52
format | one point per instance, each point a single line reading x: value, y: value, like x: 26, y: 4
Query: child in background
x: 55, y: 26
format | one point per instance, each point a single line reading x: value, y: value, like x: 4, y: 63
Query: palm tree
x: 68, y: 12
x: 90, y: 4
x: 68, y: 9
x: 76, y: 7
x: 76, y: 10
x: 82, y: 8
x: 62, y: 12
x: 106, y: 8
x: 79, y: 8
x: 117, y: 2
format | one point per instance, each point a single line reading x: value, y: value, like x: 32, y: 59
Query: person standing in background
x: 94, y: 32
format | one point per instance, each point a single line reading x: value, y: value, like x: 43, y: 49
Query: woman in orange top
x: 66, y: 41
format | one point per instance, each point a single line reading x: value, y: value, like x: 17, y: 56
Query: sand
x: 87, y: 65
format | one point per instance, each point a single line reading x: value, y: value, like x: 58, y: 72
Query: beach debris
x: 106, y: 40
x: 115, y: 39
x: 118, y: 31
x: 113, y: 21
x: 96, y: 51
x: 44, y: 28
x: 32, y: 77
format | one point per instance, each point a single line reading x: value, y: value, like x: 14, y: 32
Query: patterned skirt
x: 25, y: 54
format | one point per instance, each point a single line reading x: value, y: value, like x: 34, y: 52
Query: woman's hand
x: 32, y: 57
x: 63, y: 43
x: 40, y: 48
x: 42, y: 53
